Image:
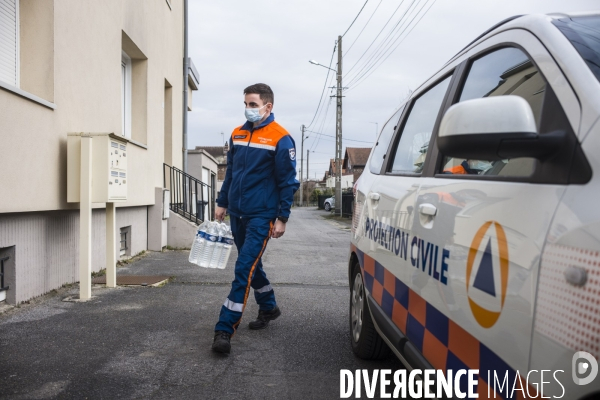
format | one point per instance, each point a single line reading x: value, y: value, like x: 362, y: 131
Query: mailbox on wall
x: 109, y: 167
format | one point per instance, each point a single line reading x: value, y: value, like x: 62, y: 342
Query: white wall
x: 47, y: 246
x: 347, y: 181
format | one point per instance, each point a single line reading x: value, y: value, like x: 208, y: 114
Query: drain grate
x: 125, y: 280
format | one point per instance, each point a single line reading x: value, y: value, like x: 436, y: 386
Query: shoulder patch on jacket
x: 292, y: 154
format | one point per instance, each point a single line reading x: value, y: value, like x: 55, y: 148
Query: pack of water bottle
x: 212, y: 245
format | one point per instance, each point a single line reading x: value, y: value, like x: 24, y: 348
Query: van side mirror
x: 495, y: 128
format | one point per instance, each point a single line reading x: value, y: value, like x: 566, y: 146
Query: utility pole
x: 338, y: 133
x: 301, y: 164
x: 307, y: 156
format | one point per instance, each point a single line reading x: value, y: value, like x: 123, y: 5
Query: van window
x: 502, y: 72
x: 584, y: 35
x: 383, y: 142
x: 416, y: 133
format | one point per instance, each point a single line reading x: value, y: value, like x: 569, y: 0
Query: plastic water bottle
x: 227, y: 245
x: 198, y: 243
x: 216, y: 255
x: 212, y: 235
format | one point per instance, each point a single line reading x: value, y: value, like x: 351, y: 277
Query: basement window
x: 3, y: 285
x: 125, y: 241
x: 7, y: 275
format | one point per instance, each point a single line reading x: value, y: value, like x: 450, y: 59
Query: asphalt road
x: 154, y: 343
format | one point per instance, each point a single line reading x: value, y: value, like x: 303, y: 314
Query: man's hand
x: 220, y: 213
x: 278, y: 230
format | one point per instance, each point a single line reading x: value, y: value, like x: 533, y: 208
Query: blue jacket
x: 261, y: 171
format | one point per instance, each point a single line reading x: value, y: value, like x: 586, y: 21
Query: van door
x: 489, y: 220
x: 389, y: 206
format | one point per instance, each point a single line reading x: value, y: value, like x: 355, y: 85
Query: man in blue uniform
x: 258, y: 191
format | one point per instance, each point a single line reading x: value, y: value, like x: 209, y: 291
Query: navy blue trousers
x: 251, y: 236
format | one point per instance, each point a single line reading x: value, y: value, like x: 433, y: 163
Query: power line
x: 383, y: 45
x: 324, y: 85
x: 359, y: 81
x: 355, y: 18
x: 350, y: 140
x: 321, y: 111
x: 361, y: 31
x: 365, y: 52
x: 318, y: 138
x: 377, y: 57
x: 386, y: 43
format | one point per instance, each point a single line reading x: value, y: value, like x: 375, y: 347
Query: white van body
x: 489, y: 265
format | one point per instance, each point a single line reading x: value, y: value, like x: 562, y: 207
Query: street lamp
x: 313, y: 62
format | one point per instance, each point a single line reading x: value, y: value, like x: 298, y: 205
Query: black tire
x: 327, y: 207
x: 366, y: 342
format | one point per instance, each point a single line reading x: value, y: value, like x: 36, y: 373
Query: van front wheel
x: 366, y: 342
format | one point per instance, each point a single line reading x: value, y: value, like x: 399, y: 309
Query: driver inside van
x: 468, y: 167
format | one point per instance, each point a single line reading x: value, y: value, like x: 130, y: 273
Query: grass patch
x: 171, y: 248
x: 102, y: 272
x: 132, y: 259
x: 336, y: 218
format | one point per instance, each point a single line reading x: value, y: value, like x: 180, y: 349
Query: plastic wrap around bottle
x: 212, y: 245
x: 212, y: 235
x: 198, y: 243
x: 227, y: 245
x: 216, y: 255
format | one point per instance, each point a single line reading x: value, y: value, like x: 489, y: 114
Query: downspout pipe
x: 186, y: 68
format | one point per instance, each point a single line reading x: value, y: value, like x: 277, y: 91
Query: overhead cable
x: 365, y: 76
x: 365, y: 52
x: 384, y: 45
x: 361, y: 31
x: 324, y: 85
x: 355, y: 18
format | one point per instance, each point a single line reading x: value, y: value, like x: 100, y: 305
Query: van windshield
x: 584, y: 35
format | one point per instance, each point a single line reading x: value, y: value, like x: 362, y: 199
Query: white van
x: 476, y: 238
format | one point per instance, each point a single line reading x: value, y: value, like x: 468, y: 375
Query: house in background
x: 219, y: 154
x: 108, y: 66
x: 204, y: 166
x: 355, y: 160
x: 331, y: 174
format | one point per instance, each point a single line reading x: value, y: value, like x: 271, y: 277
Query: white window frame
x: 125, y: 95
x: 17, y: 82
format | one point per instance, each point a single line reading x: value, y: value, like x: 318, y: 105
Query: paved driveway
x: 155, y: 342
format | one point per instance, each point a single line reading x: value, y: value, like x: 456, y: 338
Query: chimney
x: 225, y: 148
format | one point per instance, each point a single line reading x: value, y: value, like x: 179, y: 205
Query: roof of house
x: 358, y: 156
x: 215, y: 151
x: 205, y: 153
x: 332, y: 169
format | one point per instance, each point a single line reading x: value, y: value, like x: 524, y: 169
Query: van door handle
x: 374, y: 196
x: 427, y: 209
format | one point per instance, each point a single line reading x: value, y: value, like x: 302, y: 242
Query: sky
x: 236, y: 43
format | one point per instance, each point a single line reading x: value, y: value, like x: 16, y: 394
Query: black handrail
x: 187, y: 195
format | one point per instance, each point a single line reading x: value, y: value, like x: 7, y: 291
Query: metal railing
x: 190, y: 197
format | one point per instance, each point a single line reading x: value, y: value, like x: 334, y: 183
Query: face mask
x: 253, y: 114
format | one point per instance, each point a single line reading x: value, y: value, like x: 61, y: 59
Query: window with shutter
x: 9, y: 42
